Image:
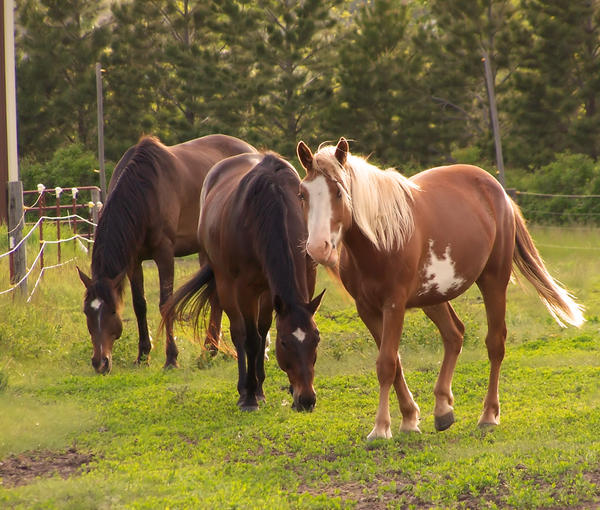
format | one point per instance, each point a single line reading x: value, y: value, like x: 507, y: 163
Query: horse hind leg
x: 213, y: 332
x: 452, y: 330
x: 493, y: 290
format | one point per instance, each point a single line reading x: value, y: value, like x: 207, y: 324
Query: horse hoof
x: 487, y: 426
x: 142, y: 360
x: 248, y: 407
x: 444, y: 422
x: 171, y: 365
x: 379, y: 434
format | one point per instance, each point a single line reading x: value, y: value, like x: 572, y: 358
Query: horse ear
x: 87, y: 281
x: 279, y: 305
x: 305, y: 156
x: 119, y: 278
x: 313, y: 306
x: 341, y: 151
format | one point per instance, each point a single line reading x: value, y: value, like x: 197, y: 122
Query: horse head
x: 102, y: 307
x: 326, y: 202
x: 296, y: 348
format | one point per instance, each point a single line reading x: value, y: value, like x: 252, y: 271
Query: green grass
x: 175, y: 439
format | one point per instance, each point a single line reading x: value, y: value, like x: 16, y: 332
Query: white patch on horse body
x: 267, y: 345
x: 299, y: 334
x: 96, y: 303
x: 440, y: 273
x: 319, y: 212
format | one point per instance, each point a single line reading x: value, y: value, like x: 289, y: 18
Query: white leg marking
x: 299, y: 334
x: 440, y: 274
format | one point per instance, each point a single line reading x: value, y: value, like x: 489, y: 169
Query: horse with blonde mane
x: 419, y: 243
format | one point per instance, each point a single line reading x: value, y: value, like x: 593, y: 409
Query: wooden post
x: 95, y: 209
x: 42, y: 210
x: 494, y: 116
x: 58, y: 225
x: 16, y: 221
x: 100, y: 130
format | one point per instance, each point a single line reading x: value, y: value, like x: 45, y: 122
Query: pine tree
x: 380, y: 103
x: 558, y: 82
x: 58, y: 43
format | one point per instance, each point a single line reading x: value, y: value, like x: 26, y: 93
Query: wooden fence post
x: 95, y: 209
x: 16, y: 221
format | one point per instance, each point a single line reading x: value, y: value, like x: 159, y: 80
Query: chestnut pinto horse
x: 151, y: 213
x: 421, y: 242
x: 252, y: 233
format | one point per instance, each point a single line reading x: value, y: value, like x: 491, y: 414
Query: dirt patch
x: 22, y: 469
x: 370, y: 495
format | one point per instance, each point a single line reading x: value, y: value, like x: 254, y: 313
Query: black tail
x: 191, y: 300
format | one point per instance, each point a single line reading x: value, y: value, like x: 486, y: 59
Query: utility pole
x: 494, y: 116
x: 100, y: 131
x: 11, y: 201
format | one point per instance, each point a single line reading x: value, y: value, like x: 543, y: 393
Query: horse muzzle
x: 305, y: 402
x: 323, y: 253
x: 102, y: 365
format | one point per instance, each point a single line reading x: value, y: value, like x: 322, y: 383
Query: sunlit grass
x: 176, y: 438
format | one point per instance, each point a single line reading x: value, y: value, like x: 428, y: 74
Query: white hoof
x: 383, y: 433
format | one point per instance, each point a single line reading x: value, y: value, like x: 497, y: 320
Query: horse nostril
x: 326, y: 244
x: 95, y: 363
x: 306, y: 403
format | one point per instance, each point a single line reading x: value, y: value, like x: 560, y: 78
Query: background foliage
x: 402, y: 78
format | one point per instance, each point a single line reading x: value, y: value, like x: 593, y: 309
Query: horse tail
x: 191, y: 300
x: 560, y: 303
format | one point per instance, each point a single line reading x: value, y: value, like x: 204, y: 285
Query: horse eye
x: 301, y: 196
x: 339, y: 193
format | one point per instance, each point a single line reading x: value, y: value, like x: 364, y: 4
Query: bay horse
x: 151, y: 212
x: 421, y: 242
x: 252, y: 233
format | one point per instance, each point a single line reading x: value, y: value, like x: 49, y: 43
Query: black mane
x: 127, y: 212
x: 267, y: 202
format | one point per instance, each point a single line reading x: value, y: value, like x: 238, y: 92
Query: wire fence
x: 35, y: 218
x: 562, y: 211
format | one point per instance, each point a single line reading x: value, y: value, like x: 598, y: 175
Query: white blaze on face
x: 319, y: 213
x: 95, y: 304
x: 299, y: 334
x: 439, y: 273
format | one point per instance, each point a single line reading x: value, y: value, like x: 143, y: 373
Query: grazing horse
x: 421, y: 242
x: 252, y: 233
x: 151, y: 213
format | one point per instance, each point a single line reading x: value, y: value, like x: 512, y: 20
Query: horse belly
x: 447, y: 270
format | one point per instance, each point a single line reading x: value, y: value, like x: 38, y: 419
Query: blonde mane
x: 380, y: 200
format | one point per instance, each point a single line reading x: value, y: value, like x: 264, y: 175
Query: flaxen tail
x: 558, y: 300
x: 191, y: 300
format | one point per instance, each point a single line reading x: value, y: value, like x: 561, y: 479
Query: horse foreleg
x: 136, y: 280
x: 265, y: 317
x: 166, y: 267
x: 389, y: 372
x: 494, y: 298
x: 238, y: 337
x: 452, y: 330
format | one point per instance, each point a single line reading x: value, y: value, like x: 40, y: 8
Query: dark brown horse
x: 252, y: 233
x: 419, y: 243
x: 151, y: 213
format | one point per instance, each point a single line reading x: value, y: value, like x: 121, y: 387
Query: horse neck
x: 360, y: 249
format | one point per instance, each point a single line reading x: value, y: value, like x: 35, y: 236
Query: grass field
x: 147, y: 438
